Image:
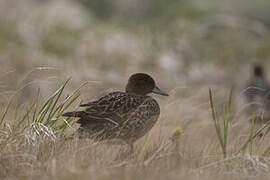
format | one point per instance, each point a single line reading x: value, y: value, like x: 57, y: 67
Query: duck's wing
x: 256, y: 89
x: 111, y: 108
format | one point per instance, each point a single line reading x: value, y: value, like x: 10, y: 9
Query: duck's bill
x: 156, y: 90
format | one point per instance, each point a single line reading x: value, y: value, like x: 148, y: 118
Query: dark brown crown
x: 258, y: 70
x: 140, y: 83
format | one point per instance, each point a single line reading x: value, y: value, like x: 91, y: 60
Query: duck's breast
x: 142, y: 120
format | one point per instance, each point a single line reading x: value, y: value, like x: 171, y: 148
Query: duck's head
x: 258, y: 70
x: 143, y: 84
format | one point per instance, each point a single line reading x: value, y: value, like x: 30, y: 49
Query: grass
x: 222, y: 132
x: 42, y: 151
x: 222, y: 135
x: 45, y: 117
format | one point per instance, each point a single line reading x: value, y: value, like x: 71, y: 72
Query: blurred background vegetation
x: 181, y: 42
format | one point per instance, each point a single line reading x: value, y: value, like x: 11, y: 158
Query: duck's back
x: 258, y: 97
x: 119, y: 115
x: 257, y: 90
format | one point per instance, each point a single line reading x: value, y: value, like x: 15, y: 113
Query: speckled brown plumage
x: 257, y: 93
x: 119, y: 115
x: 256, y: 89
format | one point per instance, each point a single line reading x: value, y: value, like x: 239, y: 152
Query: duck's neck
x: 259, y: 80
x: 135, y: 94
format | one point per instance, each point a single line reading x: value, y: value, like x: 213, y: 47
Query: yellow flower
x: 179, y: 131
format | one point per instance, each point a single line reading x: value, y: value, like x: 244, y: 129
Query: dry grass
x: 32, y: 148
x: 199, y: 49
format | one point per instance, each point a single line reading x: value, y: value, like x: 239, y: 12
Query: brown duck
x: 257, y: 93
x: 125, y: 116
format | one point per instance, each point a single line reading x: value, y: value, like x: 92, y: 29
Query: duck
x: 124, y: 116
x: 257, y: 93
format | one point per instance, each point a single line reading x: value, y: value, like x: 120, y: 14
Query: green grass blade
x: 66, y: 104
x: 62, y: 108
x: 226, y: 122
x: 216, y: 123
x: 43, y: 107
x: 36, y: 106
x: 5, y: 112
x: 252, y: 126
x: 251, y: 136
x: 24, y: 117
x: 65, y: 123
x: 258, y: 132
x: 57, y: 95
x: 44, y: 110
x: 47, y: 105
